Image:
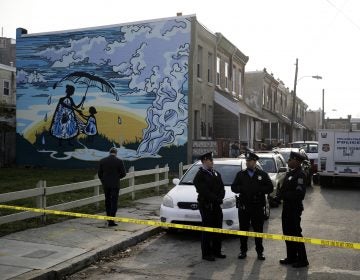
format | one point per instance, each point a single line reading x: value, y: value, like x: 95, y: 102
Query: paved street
x: 329, y: 213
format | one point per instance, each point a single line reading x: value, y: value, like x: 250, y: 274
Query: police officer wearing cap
x: 292, y: 193
x: 252, y: 184
x: 211, y: 191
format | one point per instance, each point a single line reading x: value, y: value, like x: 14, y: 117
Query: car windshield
x: 227, y: 172
x: 312, y: 148
x: 285, y: 154
x: 308, y: 148
x: 268, y: 165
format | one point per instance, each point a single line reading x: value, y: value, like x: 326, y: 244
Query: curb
x: 77, y: 263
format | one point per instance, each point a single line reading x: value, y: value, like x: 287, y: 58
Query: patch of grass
x: 16, y: 179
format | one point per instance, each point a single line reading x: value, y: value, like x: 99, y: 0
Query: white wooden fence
x: 42, y: 191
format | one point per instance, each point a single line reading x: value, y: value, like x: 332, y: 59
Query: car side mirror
x: 176, y: 181
x: 282, y: 169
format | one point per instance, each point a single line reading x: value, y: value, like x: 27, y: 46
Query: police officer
x: 292, y: 193
x: 252, y: 184
x: 210, y: 187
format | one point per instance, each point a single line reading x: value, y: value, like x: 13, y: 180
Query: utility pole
x: 293, y: 104
x: 323, y: 109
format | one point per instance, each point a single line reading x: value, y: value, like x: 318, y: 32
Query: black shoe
x: 286, y: 261
x: 242, y: 255
x: 301, y: 264
x: 112, y: 224
x: 220, y: 256
x: 209, y: 258
x: 261, y: 257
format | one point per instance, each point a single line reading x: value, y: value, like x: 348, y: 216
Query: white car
x: 180, y: 204
x: 274, y: 164
x: 311, y: 149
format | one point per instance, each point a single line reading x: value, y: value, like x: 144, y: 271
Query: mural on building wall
x: 79, y: 93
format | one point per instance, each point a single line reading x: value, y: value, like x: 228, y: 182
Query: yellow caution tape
x: 315, y: 241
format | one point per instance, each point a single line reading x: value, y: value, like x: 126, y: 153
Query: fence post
x: 96, y: 192
x: 132, y: 181
x: 166, y: 176
x: 180, y: 169
x: 41, y: 199
x: 157, y: 178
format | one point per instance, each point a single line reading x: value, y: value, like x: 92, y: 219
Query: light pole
x: 317, y: 77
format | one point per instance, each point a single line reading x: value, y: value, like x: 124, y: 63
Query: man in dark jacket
x: 292, y: 193
x: 210, y: 187
x: 252, y: 184
x: 111, y: 170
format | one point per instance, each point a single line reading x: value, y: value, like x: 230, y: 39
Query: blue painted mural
x: 81, y: 92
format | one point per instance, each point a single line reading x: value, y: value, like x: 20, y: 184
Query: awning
x: 236, y: 107
x: 298, y: 125
x: 284, y: 118
x: 271, y: 117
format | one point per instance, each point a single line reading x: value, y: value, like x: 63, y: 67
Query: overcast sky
x: 323, y: 34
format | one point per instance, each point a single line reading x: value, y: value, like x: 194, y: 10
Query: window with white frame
x: 218, y: 71
x: 240, y: 82
x: 199, y: 61
x: 210, y: 68
x: 6, y: 90
x: 226, y: 75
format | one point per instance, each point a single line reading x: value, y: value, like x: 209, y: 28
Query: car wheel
x: 266, y: 208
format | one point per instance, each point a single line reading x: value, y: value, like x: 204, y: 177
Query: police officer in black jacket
x: 210, y: 187
x: 292, y: 193
x: 252, y: 184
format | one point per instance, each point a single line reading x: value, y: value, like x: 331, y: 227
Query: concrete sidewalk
x: 56, y: 250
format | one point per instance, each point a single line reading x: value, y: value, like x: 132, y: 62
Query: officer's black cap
x: 206, y: 156
x: 251, y: 156
x: 297, y: 156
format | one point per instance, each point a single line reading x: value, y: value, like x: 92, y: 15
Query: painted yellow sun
x: 117, y: 125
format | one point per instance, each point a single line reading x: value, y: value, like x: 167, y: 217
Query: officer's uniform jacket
x: 210, y: 187
x: 293, y: 189
x: 252, y: 190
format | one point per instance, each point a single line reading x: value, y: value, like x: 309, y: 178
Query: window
x: 240, y: 83
x: 199, y: 61
x: 233, y: 77
x: 218, y: 71
x: 196, y: 124
x: 263, y: 96
x: 210, y: 67
x: 203, y: 120
x: 6, y: 88
x: 269, y: 101
x: 226, y: 75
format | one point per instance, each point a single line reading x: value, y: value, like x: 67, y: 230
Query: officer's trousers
x: 255, y: 216
x: 291, y: 218
x: 211, y: 216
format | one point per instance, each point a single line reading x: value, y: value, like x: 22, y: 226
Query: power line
x: 345, y: 15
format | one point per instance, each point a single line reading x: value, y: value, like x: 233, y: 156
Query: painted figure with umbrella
x: 65, y: 123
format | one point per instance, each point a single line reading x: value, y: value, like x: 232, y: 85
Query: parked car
x: 180, y: 204
x: 306, y: 165
x: 311, y: 150
x: 275, y: 165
